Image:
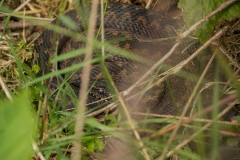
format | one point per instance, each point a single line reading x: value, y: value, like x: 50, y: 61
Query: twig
x: 16, y: 25
x: 229, y: 133
x: 85, y: 82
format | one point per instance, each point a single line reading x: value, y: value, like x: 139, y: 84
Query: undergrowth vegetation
x: 35, y: 123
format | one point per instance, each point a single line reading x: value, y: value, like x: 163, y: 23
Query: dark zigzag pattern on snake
x: 137, y: 26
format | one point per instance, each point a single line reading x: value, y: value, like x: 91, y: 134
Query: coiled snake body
x: 134, y: 29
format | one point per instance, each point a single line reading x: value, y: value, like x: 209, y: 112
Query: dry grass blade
x: 40, y: 155
x: 85, y: 82
x: 136, y: 134
x: 22, y: 5
x: 148, y: 4
x: 4, y: 87
x: 185, y: 118
x: 45, y: 115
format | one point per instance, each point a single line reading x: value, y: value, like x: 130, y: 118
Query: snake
x: 137, y: 38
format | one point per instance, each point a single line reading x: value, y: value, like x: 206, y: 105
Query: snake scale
x: 134, y: 29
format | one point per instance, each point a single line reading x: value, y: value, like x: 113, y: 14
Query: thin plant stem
x: 85, y: 82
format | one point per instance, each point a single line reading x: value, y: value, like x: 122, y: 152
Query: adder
x: 140, y: 32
